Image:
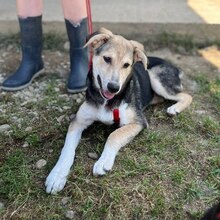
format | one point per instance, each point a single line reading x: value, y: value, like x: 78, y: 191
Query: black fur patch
x: 93, y: 95
x: 168, y: 74
x: 169, y: 78
x: 143, y: 79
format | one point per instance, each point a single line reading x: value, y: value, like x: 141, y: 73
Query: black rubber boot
x: 79, y: 57
x: 31, y: 64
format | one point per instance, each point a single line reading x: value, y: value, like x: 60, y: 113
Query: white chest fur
x: 104, y: 114
x: 126, y: 114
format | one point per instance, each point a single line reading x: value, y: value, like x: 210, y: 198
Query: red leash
x: 89, y: 16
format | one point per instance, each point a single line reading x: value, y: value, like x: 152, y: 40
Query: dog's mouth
x: 105, y: 93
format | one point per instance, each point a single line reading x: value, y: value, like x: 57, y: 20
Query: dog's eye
x: 107, y: 59
x: 126, y: 65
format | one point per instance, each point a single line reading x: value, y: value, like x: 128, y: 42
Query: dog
x: 121, y: 83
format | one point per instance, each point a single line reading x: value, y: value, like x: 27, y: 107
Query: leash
x: 89, y: 15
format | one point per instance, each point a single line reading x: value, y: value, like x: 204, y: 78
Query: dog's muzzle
x: 112, y: 89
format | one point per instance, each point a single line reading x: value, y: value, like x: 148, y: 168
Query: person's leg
x: 78, y: 26
x: 74, y: 10
x: 30, y: 21
x: 29, y: 8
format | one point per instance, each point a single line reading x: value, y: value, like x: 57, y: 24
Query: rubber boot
x: 79, y: 56
x: 31, y: 64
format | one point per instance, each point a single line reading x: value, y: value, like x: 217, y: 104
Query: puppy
x: 121, y: 83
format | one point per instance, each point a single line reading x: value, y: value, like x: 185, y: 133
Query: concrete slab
x: 129, y: 11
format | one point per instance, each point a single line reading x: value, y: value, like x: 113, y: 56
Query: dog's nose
x: 113, y: 87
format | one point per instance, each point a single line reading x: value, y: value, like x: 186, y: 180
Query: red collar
x: 116, y: 115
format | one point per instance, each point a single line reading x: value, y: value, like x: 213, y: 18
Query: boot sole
x: 76, y: 90
x: 13, y: 89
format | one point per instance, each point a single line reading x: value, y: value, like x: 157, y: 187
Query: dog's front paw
x: 102, y: 166
x: 55, y: 182
x: 173, y: 110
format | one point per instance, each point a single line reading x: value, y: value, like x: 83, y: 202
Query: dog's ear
x: 98, y: 38
x: 139, y: 54
x: 105, y: 31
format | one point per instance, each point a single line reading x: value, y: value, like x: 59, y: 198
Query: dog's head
x: 113, y: 58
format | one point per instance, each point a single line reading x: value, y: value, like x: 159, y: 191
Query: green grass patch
x: 183, y: 44
x: 167, y: 40
x: 210, y: 88
x: 51, y: 41
x: 16, y: 177
x: 177, y: 42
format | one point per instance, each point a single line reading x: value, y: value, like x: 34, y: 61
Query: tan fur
x: 123, y: 135
x: 131, y: 115
x: 183, y: 101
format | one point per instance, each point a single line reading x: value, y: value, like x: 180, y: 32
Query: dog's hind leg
x: 167, y: 84
x: 117, y: 139
x: 183, y: 101
x: 56, y: 180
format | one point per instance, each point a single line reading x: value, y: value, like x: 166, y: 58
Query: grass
x: 51, y: 41
x: 179, y: 43
x: 170, y: 171
x: 183, y: 44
